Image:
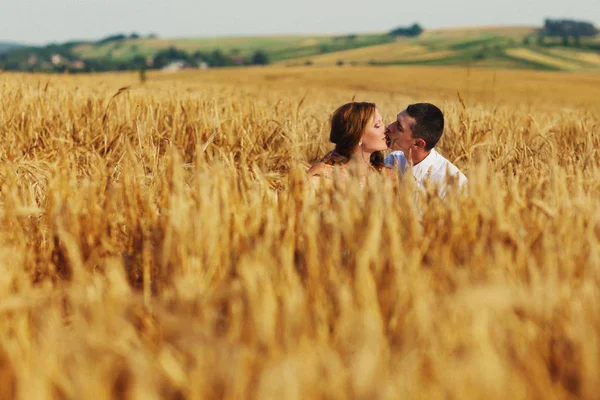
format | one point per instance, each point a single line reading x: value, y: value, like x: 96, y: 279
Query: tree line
x: 61, y: 58
x: 568, y: 28
x: 411, y: 31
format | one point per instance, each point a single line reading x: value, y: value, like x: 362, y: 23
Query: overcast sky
x: 43, y: 21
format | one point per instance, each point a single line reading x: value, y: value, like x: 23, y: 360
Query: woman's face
x: 373, y: 138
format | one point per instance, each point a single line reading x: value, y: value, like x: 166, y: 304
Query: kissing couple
x: 360, y: 137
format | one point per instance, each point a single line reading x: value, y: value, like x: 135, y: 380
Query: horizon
x: 71, y: 20
x: 269, y: 35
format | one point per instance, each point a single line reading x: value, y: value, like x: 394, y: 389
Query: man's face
x: 399, y: 133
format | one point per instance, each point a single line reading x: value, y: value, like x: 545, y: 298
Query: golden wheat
x: 531, y: 55
x: 160, y: 241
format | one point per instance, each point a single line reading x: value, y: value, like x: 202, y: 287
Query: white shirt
x: 432, y: 167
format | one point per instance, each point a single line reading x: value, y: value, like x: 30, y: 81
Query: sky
x: 45, y: 21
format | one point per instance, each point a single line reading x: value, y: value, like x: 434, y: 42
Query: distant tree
x: 4, y: 47
x: 165, y: 57
x: 138, y: 62
x: 339, y: 63
x: 218, y: 59
x: 568, y: 28
x: 415, y: 30
x: 541, y: 40
x: 411, y: 31
x: 199, y: 56
x: 134, y: 36
x: 324, y: 48
x: 260, y: 58
x: 112, y: 38
x: 73, y: 43
x: 308, y: 63
x: 479, y: 55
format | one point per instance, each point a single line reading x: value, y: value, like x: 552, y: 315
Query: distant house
x: 57, y: 59
x: 238, y: 60
x: 175, y: 66
x: 78, y: 64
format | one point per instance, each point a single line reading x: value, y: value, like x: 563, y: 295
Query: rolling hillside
x: 278, y: 47
x: 502, y: 47
x: 493, y: 47
x: 5, y: 46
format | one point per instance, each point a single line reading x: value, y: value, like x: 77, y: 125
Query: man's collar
x: 426, y: 163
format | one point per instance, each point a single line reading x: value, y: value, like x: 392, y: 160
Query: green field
x: 498, y: 47
x: 278, y: 47
x: 502, y: 47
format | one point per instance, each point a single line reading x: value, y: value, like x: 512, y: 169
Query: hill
x: 488, y: 46
x: 277, y: 47
x: 5, y: 46
x: 505, y: 47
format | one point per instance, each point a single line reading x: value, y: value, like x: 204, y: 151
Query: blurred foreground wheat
x: 158, y: 241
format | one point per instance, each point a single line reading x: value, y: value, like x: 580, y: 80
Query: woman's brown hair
x: 347, y: 126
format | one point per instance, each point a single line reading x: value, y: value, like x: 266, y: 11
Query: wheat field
x: 587, y: 57
x: 159, y: 240
x: 381, y: 53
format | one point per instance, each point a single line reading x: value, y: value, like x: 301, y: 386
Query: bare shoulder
x: 320, y: 169
x: 319, y: 176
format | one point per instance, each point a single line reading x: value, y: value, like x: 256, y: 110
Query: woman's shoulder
x: 320, y: 169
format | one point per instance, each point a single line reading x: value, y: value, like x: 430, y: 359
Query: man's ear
x: 420, y: 143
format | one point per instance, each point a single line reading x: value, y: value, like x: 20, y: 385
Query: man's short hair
x: 429, y: 123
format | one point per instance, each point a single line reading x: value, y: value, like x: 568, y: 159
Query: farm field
x: 486, y: 46
x: 490, y: 47
x: 530, y: 55
x: 582, y: 56
x: 383, y: 52
x: 278, y: 47
x: 159, y: 240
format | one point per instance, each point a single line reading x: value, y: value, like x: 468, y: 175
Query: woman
x: 358, y: 133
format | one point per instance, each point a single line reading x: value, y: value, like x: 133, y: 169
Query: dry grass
x: 161, y: 242
x: 434, y: 55
x: 401, y: 84
x: 585, y: 56
x: 509, y: 31
x: 530, y: 55
x: 381, y: 53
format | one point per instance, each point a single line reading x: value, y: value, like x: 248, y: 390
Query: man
x: 414, y: 135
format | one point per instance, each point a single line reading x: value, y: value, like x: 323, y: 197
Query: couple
x: 360, y: 137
